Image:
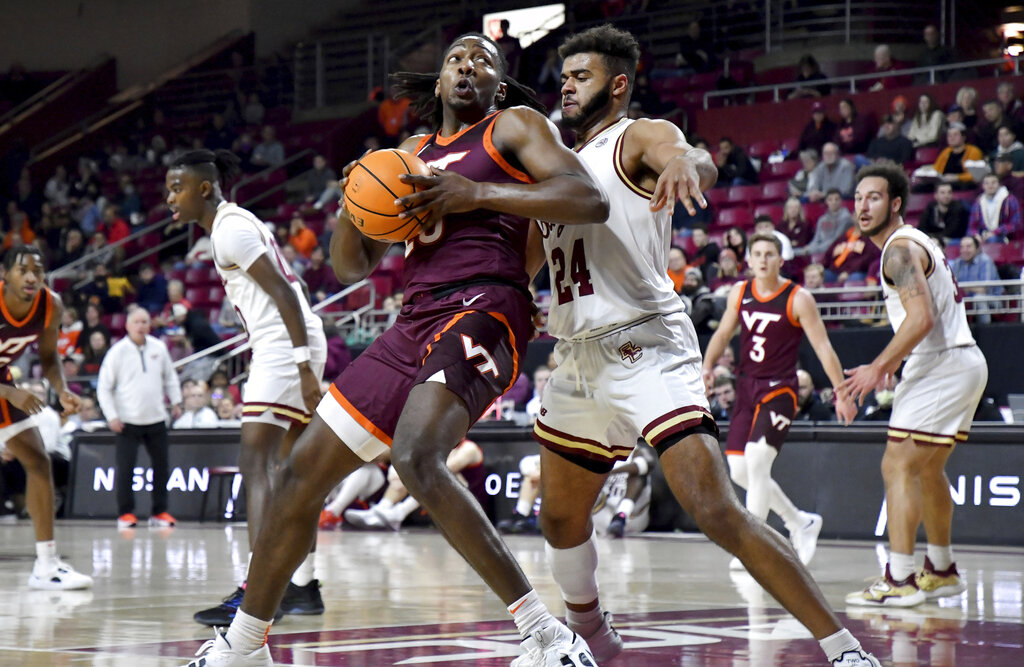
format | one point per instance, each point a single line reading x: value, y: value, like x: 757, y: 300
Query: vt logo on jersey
x: 757, y: 321
x: 632, y: 352
x: 443, y: 162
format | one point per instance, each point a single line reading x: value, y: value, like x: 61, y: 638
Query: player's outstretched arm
x: 564, y: 192
x: 53, y: 369
x: 724, y: 333
x: 904, y: 265
x: 805, y: 309
x: 683, y: 172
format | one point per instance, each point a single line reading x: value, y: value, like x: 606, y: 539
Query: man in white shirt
x: 197, y: 412
x: 135, y: 378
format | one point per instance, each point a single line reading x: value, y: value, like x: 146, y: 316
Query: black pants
x: 154, y: 438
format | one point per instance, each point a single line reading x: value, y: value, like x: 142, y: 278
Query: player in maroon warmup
x: 456, y: 346
x: 772, y: 314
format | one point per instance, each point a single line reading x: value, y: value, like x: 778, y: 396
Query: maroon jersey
x: 17, y: 335
x: 477, y: 245
x: 769, y: 333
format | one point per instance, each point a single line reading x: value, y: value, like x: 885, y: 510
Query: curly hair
x: 895, y: 178
x: 618, y: 48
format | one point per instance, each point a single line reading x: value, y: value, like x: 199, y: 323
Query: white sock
x: 385, y: 504
x: 901, y: 566
x: 362, y: 483
x: 575, y: 571
x: 626, y: 506
x: 304, y: 573
x: 584, y: 622
x: 247, y: 633
x: 530, y: 614
x: 524, y: 506
x: 406, y: 507
x: 780, y: 503
x: 46, y: 553
x: 940, y: 556
x: 839, y: 643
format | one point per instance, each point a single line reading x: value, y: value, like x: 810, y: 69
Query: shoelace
x: 207, y: 646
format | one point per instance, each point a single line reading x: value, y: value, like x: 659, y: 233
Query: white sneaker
x: 555, y: 646
x: 217, y: 652
x: 805, y: 536
x: 856, y: 658
x: 374, y: 518
x: 57, y: 577
x: 604, y: 642
x: 736, y: 565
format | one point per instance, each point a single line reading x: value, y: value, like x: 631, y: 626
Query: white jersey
x: 950, y: 329
x: 238, y: 239
x: 607, y: 275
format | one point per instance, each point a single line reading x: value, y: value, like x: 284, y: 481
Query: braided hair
x: 420, y: 87
x: 213, y: 166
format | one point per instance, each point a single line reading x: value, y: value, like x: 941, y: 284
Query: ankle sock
x: 247, y: 633
x: 901, y: 566
x: 530, y: 614
x: 837, y: 644
x: 940, y: 556
x: 46, y: 553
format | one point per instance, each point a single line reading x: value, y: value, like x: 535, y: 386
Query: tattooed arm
x: 904, y: 265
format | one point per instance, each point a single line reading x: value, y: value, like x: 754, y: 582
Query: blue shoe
x: 222, y: 615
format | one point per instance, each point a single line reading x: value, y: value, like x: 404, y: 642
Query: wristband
x: 301, y: 354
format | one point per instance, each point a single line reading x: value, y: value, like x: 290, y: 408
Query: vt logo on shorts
x: 779, y: 421
x: 629, y: 351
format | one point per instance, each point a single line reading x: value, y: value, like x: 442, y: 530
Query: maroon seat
x: 775, y: 191
x: 744, y: 194
x: 763, y: 148
x: 772, y: 210
x: 780, y: 171
x: 927, y: 154
x: 735, y: 217
x: 392, y: 264
x: 717, y: 197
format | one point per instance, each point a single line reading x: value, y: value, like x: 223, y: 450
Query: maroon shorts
x: 764, y: 408
x: 473, y: 338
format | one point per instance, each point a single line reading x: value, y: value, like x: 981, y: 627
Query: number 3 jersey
x: 606, y: 275
x: 238, y: 239
x: 769, y: 333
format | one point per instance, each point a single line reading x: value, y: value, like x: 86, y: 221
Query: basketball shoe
x: 518, y: 524
x: 604, y: 641
x: 224, y: 613
x: 374, y: 518
x: 617, y: 526
x: 939, y: 584
x: 217, y: 652
x: 805, y: 536
x: 162, y: 520
x: 302, y: 600
x: 128, y: 520
x: 856, y: 658
x: 887, y: 592
x: 555, y: 646
x: 329, y: 520
x: 58, y: 576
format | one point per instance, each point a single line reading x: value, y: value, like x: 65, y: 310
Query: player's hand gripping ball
x: 371, y: 191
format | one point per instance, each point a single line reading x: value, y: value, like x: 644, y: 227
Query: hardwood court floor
x: 406, y: 598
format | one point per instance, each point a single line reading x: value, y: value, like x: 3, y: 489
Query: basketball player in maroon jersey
x: 456, y: 346
x: 772, y: 314
x: 29, y: 313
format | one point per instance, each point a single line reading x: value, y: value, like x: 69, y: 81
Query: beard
x: 589, y: 111
x: 874, y: 229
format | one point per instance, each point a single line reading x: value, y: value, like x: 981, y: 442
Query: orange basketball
x: 372, y: 189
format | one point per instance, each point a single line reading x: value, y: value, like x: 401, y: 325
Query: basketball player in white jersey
x: 287, y: 339
x: 629, y: 364
x: 939, y: 390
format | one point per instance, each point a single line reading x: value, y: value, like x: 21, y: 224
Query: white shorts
x: 607, y: 505
x: 643, y: 381
x: 936, y: 397
x: 273, y: 392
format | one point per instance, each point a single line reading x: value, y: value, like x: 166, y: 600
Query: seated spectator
x: 890, y: 145
x: 794, y: 224
x: 221, y: 387
x: 808, y: 72
x: 18, y: 231
x: 98, y: 291
x: 151, y: 292
x: 218, y: 134
x: 898, y: 111
x: 933, y: 54
x: 466, y: 461
x: 393, y: 116
x: 926, y: 126
x: 175, y: 295
x: 269, y: 152
x: 809, y: 405
x: 1008, y: 145
x: 70, y: 328
x: 854, y: 130
x: 321, y: 184
x: 850, y: 258
x: 818, y: 131
x: 814, y: 277
x: 763, y: 224
x: 736, y: 240
x: 253, y: 112
x: 541, y: 375
x: 734, y: 167
x: 93, y: 322
x: 995, y: 215
x: 884, y: 68
x: 1013, y: 108
x: 950, y: 163
x: 834, y: 173
x: 99, y: 251
x: 723, y: 395
x: 57, y: 189
x: 98, y: 344
x: 293, y: 259
x: 129, y: 201
x: 944, y: 218
x: 677, y: 267
x: 696, y: 54
x: 705, y: 253
x: 113, y: 226
x: 301, y: 237
x: 728, y: 272
x: 229, y: 413
x: 967, y: 99
x: 808, y: 162
x: 196, y: 409
x: 986, y: 133
x: 973, y: 265
x: 1012, y: 180
x: 701, y: 303
x: 319, y: 276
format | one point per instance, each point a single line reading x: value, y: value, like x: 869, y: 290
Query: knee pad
x: 759, y: 457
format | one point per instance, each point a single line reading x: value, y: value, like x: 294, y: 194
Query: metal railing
x: 865, y: 304
x: 852, y: 79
